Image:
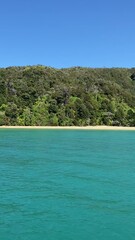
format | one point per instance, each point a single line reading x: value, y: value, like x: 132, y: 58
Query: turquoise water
x: 67, y: 185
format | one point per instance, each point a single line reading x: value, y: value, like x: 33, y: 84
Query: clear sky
x: 58, y: 33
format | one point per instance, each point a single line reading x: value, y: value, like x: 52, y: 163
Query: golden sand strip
x: 70, y: 127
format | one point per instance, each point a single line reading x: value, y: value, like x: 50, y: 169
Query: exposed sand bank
x: 70, y: 127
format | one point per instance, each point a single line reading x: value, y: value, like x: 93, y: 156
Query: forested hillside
x: 39, y: 95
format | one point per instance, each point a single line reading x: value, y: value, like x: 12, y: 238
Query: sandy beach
x: 71, y: 127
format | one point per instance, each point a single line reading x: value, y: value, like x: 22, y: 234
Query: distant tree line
x: 41, y: 96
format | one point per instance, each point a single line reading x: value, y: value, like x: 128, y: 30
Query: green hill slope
x: 39, y: 95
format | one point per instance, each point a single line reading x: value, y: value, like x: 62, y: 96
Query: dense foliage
x: 39, y: 95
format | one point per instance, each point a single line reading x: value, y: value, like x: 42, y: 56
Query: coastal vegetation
x: 45, y: 96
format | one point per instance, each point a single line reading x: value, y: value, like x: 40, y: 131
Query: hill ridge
x: 78, y: 96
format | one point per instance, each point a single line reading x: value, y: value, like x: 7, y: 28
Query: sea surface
x: 67, y: 185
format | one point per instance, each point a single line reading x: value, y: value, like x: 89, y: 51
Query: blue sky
x: 97, y: 33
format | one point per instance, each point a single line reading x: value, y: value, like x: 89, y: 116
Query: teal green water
x: 67, y: 185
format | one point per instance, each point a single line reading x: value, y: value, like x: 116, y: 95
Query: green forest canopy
x: 45, y: 96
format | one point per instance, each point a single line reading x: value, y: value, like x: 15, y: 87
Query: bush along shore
x: 45, y: 96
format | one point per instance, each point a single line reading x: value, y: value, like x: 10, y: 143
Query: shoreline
x: 71, y: 127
